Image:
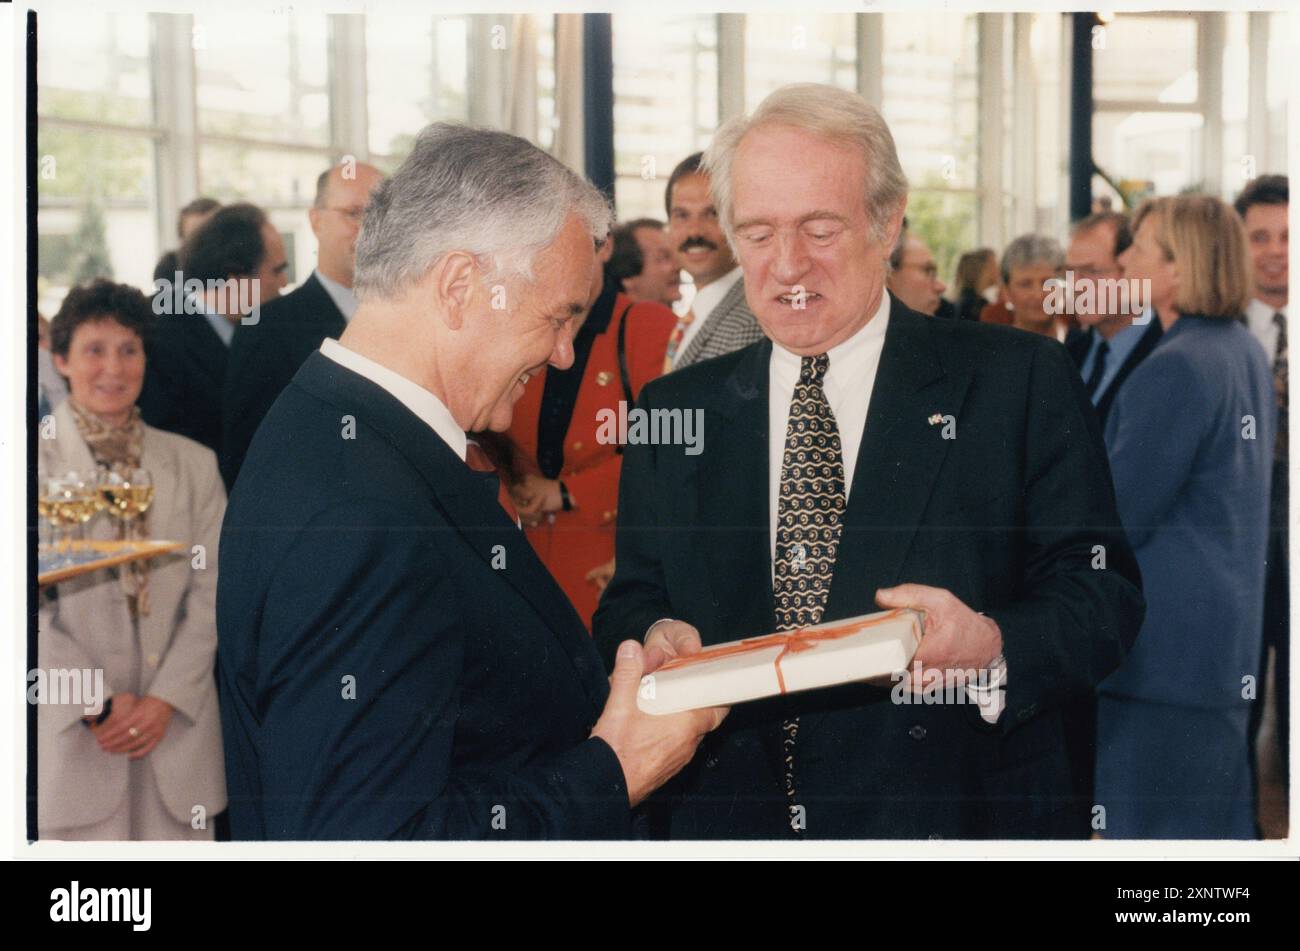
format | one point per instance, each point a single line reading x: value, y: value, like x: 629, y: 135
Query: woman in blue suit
x: 1190, y: 438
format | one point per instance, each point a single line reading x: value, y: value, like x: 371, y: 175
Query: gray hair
x: 487, y: 193
x: 835, y: 114
x: 1030, y: 249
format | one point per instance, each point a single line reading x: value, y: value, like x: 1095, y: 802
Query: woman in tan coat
x: 151, y: 767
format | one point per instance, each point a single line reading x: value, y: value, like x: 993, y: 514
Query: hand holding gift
x: 957, y: 639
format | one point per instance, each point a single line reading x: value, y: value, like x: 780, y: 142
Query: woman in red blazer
x: 565, y: 481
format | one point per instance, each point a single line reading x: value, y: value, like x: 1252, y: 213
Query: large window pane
x: 263, y: 76
x: 96, y: 206
x: 814, y: 48
x: 1160, y: 149
x: 929, y: 92
x: 416, y: 73
x: 96, y: 214
x: 1147, y: 57
x: 94, y: 66
x: 280, y: 181
x: 930, y: 87
x: 665, y: 102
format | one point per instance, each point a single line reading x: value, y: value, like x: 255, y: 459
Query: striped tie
x: 809, y: 513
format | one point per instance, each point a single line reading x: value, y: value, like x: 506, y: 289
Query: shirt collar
x: 710, y: 296
x: 411, y: 395
x: 863, y: 342
x: 343, y: 298
x: 1260, y: 315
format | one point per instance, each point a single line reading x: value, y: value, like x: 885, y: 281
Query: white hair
x: 1028, y: 250
x: 483, y: 192
x: 833, y: 114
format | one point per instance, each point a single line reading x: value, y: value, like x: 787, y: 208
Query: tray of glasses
x: 81, y: 557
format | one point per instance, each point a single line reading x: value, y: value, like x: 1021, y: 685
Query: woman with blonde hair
x: 1190, y: 438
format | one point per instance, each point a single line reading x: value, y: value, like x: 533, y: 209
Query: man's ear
x: 60, y: 363
x: 895, y: 225
x: 314, y: 216
x: 455, y: 281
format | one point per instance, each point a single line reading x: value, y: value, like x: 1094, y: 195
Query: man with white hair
x: 395, y: 662
x: 865, y: 456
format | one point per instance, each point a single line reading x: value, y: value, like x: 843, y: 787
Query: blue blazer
x: 395, y: 662
x: 1192, y: 482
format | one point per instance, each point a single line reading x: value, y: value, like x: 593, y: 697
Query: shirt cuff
x: 654, y: 625
x: 991, y: 697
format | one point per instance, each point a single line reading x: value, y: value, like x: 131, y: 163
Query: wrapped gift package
x: 868, y: 647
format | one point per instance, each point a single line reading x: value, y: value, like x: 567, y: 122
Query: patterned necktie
x: 675, y: 341
x: 809, y: 513
x: 1098, y: 368
x: 478, y: 460
x: 1279, y: 387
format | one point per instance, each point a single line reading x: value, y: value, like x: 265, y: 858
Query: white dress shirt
x: 1259, y: 318
x: 343, y: 298
x: 850, y: 378
x: 411, y: 395
x: 706, y: 300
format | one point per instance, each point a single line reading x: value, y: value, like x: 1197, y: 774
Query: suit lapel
x: 733, y: 500
x: 468, y: 503
x: 913, y: 401
x: 1145, y: 345
x: 713, y: 323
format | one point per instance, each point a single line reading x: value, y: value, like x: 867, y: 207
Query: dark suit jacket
x: 1017, y: 542
x: 1078, y: 345
x: 185, y: 371
x: 381, y: 677
x: 263, y: 359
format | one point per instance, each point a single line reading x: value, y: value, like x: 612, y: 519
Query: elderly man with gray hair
x: 864, y: 456
x: 395, y: 662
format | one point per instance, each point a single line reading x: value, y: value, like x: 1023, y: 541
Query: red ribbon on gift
x: 790, y: 642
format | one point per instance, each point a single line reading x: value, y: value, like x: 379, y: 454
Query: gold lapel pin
x: 603, y: 378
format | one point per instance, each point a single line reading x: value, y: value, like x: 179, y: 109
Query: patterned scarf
x: 120, y: 447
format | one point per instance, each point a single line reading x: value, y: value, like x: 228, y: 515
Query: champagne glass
x: 127, y: 493
x: 67, y: 502
x: 49, y: 504
x: 80, y: 502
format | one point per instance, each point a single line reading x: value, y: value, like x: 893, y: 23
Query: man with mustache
x: 718, y: 321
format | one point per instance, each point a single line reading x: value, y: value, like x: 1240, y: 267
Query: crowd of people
x: 1153, y: 426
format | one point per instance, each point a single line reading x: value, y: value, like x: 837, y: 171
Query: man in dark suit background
x: 835, y: 480
x: 264, y: 356
x: 1110, y: 345
x: 1112, y: 342
x: 193, y: 216
x: 395, y: 662
x: 239, y: 258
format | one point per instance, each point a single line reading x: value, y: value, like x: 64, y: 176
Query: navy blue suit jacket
x: 1191, y: 445
x: 263, y: 359
x: 185, y: 371
x: 1005, y: 516
x: 395, y: 663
